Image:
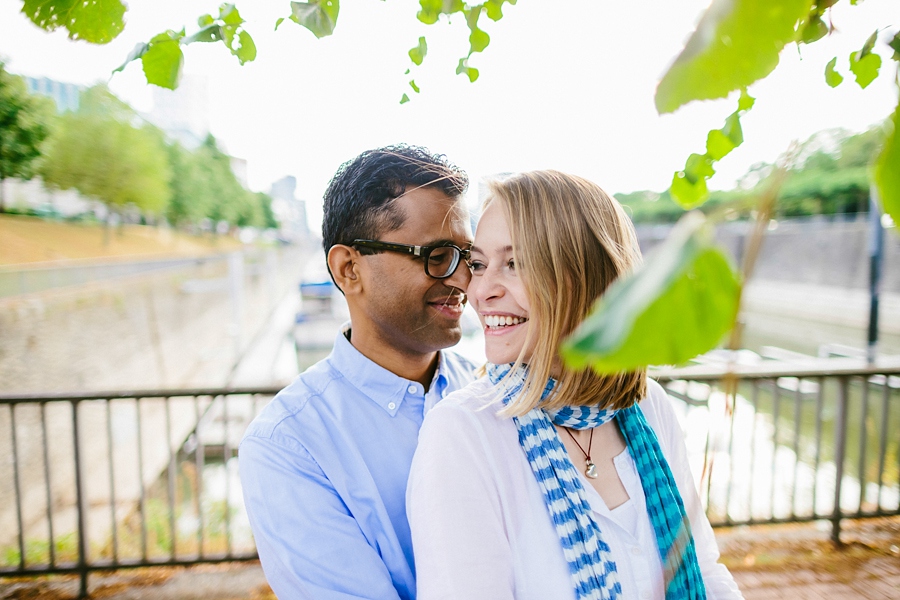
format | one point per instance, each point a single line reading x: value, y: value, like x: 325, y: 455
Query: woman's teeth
x: 501, y: 321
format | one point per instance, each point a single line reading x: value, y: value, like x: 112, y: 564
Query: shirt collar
x: 381, y: 386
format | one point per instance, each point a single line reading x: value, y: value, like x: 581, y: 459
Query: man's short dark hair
x: 358, y: 201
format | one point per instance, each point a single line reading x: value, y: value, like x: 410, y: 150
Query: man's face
x: 412, y: 312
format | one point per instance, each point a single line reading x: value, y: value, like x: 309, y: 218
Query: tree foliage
x: 105, y: 153
x: 204, y: 187
x: 24, y: 124
x: 831, y: 176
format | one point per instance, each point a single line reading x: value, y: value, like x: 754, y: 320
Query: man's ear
x: 343, y: 261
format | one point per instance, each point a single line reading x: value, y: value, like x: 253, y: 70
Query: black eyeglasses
x: 440, y: 261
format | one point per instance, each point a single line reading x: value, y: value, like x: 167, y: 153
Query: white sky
x: 565, y: 84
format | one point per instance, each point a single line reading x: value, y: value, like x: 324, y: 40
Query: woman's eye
x: 476, y: 265
x: 511, y: 265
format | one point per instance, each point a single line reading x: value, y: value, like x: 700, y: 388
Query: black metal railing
x: 123, y: 479
x: 149, y: 477
x: 790, y: 443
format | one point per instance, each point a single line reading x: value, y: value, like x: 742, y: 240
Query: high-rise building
x: 290, y: 212
x: 66, y: 95
x: 183, y: 113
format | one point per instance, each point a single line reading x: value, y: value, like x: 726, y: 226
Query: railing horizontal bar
x: 108, y: 566
x: 129, y: 394
x: 826, y: 367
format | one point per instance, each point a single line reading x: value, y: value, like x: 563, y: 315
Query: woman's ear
x: 344, y: 265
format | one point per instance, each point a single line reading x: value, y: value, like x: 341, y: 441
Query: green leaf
x: 687, y: 193
x: 832, y: 77
x: 869, y: 45
x: 417, y: 54
x: 678, y: 305
x: 865, y: 68
x: 319, y: 16
x: 887, y: 169
x: 732, y: 130
x: 746, y: 101
x: 464, y: 68
x: 432, y: 9
x: 94, y: 21
x: 699, y: 166
x: 478, y: 40
x: 205, y: 20
x: 162, y: 62
x: 494, y: 9
x: 210, y: 33
x: 247, y: 52
x: 230, y: 15
x: 412, y: 84
x: 404, y: 99
x: 895, y: 45
x: 718, y: 144
x: 736, y: 43
x: 814, y: 30
x: 139, y: 50
x: 278, y: 22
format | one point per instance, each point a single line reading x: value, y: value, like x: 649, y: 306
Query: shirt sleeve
x: 460, y: 542
x: 309, y: 544
x: 718, y: 580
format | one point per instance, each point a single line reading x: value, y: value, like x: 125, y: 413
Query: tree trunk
x: 2, y: 194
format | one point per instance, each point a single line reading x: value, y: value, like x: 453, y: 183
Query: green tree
x: 226, y: 191
x: 24, y: 124
x: 105, y: 153
x: 191, y: 197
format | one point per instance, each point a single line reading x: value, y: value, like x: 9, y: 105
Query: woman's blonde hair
x: 570, y: 241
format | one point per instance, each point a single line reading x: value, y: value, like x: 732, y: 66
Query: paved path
x: 794, y: 562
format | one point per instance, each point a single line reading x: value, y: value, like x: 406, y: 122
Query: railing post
x: 79, y: 500
x: 840, y: 448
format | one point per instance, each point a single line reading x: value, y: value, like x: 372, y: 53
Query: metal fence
x: 143, y: 478
x: 781, y: 443
x: 123, y: 479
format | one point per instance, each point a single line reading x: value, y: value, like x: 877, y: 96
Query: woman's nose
x: 485, y: 287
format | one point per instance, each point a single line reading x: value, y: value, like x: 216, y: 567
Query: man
x: 324, y: 466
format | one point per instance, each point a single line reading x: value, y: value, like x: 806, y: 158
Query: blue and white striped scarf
x: 591, y: 566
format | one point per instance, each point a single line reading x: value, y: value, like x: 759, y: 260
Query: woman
x: 538, y: 482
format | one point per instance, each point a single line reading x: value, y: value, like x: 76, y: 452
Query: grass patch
x: 29, y: 239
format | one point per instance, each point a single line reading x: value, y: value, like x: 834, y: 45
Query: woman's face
x: 497, y: 290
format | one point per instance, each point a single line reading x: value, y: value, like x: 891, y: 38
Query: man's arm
x: 309, y: 544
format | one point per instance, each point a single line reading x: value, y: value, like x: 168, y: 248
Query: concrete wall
x: 819, y: 252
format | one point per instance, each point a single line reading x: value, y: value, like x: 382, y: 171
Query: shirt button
x: 392, y: 405
x: 636, y: 550
x: 411, y: 389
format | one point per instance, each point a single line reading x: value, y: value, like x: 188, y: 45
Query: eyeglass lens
x: 442, y: 261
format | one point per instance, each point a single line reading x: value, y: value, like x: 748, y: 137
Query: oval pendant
x: 590, y: 469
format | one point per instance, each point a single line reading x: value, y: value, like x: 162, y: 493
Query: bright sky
x: 565, y: 84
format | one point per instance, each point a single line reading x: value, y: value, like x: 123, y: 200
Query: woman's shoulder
x: 477, y: 403
x: 659, y: 412
x: 474, y: 397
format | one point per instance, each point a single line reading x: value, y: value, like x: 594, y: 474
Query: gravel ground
x: 768, y: 561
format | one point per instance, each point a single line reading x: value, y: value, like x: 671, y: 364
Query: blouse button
x: 392, y: 405
x: 411, y: 389
x: 636, y: 550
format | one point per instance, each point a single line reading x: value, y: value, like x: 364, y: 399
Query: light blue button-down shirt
x: 324, y: 469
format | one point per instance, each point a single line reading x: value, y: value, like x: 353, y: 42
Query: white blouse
x: 480, y: 526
